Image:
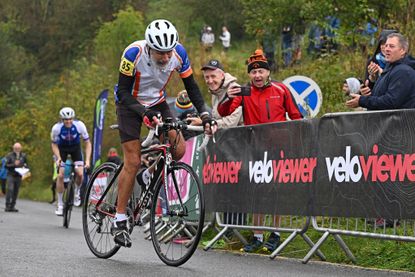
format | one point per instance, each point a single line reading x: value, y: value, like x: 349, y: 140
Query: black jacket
x: 395, y: 88
x: 10, y: 163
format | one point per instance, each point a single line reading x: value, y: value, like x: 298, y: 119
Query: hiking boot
x: 253, y: 246
x: 13, y: 209
x: 119, y: 230
x: 388, y: 223
x: 228, y: 233
x: 59, y: 211
x: 272, y: 242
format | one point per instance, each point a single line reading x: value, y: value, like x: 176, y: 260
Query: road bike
x: 174, y: 197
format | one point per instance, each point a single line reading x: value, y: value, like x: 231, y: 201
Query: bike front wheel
x: 96, y: 221
x: 68, y: 195
x: 177, y: 215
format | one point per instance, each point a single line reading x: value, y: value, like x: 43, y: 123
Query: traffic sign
x: 306, y: 93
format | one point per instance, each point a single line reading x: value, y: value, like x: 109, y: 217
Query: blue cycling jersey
x: 64, y: 136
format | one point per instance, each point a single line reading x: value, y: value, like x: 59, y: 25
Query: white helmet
x: 161, y: 35
x: 67, y: 113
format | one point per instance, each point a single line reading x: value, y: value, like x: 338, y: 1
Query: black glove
x: 148, y: 116
x: 150, y: 113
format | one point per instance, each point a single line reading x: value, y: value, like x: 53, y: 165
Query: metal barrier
x: 186, y: 228
x: 294, y: 225
x: 398, y: 230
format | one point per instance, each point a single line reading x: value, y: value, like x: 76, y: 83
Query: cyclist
x: 146, y: 67
x: 66, y: 139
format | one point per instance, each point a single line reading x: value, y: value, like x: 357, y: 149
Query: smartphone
x: 245, y: 91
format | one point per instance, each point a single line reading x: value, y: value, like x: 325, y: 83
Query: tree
x: 114, y: 36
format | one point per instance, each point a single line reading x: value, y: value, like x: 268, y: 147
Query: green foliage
x: 189, y: 16
x: 16, y: 62
x: 52, y: 58
x: 329, y: 73
x: 272, y: 15
x: 77, y: 87
x: 115, y: 35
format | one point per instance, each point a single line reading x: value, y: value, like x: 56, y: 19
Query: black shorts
x: 129, y: 122
x: 74, y: 150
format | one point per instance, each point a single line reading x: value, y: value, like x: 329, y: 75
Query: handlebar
x: 178, y: 125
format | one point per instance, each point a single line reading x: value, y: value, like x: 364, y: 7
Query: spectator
x: 274, y: 100
x: 14, y: 160
x: 3, y: 175
x: 225, y: 38
x: 370, y: 31
x: 269, y: 46
x: 314, y: 40
x: 395, y: 88
x: 183, y: 106
x: 208, y: 38
x: 297, y: 54
x: 202, y: 31
x: 375, y: 66
x: 287, y: 45
x: 185, y: 110
x: 377, y: 62
x: 218, y: 82
x: 329, y: 35
x: 113, y: 157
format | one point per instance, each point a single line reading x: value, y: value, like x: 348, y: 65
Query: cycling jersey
x: 63, y: 136
x: 149, y: 79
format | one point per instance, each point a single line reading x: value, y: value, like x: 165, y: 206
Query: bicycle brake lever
x: 157, y: 130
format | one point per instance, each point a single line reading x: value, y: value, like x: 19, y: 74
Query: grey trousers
x: 13, y: 185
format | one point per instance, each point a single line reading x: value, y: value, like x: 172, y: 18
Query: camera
x: 245, y: 91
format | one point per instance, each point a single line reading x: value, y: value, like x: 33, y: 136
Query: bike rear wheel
x: 68, y: 195
x: 177, y: 215
x: 97, y: 222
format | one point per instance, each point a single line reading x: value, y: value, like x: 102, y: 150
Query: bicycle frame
x: 173, y: 199
x: 164, y: 159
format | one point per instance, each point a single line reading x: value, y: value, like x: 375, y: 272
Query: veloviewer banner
x: 352, y: 165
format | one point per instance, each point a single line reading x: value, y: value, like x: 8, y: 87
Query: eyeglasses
x: 66, y: 119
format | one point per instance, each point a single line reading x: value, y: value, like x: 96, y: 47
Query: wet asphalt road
x: 34, y: 243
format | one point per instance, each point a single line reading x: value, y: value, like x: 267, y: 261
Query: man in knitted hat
x: 269, y: 101
x: 183, y: 106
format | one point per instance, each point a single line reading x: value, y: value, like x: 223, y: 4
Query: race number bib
x: 126, y: 67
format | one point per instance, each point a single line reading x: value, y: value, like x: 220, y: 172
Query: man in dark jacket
x: 395, y: 88
x: 14, y: 160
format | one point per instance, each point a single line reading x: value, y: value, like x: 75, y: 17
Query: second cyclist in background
x: 66, y: 140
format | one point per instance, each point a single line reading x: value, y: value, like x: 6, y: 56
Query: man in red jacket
x: 268, y: 101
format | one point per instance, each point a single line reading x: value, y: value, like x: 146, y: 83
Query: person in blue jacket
x: 3, y: 175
